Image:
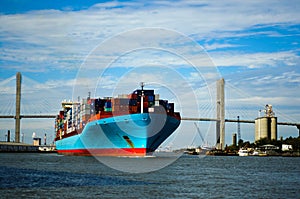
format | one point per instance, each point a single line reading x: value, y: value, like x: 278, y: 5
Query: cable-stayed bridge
x: 38, y: 101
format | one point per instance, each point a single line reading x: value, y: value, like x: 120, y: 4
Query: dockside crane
x: 239, y: 128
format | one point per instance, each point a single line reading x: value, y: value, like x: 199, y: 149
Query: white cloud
x: 266, y: 79
x: 215, y: 46
x: 60, y: 37
x: 256, y: 60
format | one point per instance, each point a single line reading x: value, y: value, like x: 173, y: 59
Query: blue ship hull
x: 127, y: 135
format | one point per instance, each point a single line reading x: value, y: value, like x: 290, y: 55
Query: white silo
x: 273, y: 128
x: 266, y: 126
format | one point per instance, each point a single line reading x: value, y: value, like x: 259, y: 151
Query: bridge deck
x: 183, y: 118
x: 28, y: 116
x: 235, y: 120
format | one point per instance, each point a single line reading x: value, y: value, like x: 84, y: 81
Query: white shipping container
x: 68, y: 116
x: 85, y: 107
x: 156, y: 103
x: 84, y: 101
x: 85, y: 112
x: 69, y: 130
x: 123, y: 96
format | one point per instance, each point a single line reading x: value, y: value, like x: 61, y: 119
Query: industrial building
x: 266, y: 126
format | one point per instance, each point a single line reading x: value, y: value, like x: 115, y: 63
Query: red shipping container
x: 133, y: 96
x: 61, y: 114
x: 145, y: 104
x: 132, y: 109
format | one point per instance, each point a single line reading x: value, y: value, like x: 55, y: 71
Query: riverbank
x: 13, y: 147
x: 260, y: 153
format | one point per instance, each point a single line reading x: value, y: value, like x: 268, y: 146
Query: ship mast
x: 142, y: 97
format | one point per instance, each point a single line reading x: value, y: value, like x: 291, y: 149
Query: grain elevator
x: 266, y: 126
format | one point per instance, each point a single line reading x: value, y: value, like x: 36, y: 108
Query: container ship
x: 128, y: 125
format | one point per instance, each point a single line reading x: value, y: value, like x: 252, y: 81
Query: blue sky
x: 254, y: 45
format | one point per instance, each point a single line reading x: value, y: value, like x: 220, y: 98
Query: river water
x: 37, y: 175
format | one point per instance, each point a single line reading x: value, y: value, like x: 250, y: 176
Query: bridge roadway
x: 183, y: 118
x: 241, y: 121
x: 28, y: 116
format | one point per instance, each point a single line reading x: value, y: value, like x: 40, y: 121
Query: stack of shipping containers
x: 59, y: 124
x: 85, y: 112
x: 76, y: 115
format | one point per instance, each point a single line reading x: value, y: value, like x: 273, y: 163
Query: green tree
x: 240, y: 143
x: 246, y: 144
x: 295, y: 142
x: 262, y: 141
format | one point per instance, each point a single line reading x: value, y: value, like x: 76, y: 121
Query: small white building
x: 36, y: 141
x: 47, y: 148
x: 287, y: 147
x: 268, y: 147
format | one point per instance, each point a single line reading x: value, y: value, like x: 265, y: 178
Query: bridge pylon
x: 220, y: 124
x: 18, y: 107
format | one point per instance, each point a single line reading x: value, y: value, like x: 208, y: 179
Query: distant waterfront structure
x: 45, y: 139
x: 234, y: 139
x: 8, y: 136
x: 286, y: 147
x: 36, y: 141
x: 22, y: 137
x: 266, y: 126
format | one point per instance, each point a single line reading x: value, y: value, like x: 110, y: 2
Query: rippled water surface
x: 55, y: 176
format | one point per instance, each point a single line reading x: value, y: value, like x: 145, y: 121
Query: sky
x: 64, y: 48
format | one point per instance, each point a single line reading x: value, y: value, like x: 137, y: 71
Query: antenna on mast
x: 142, y: 85
x: 142, y: 97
